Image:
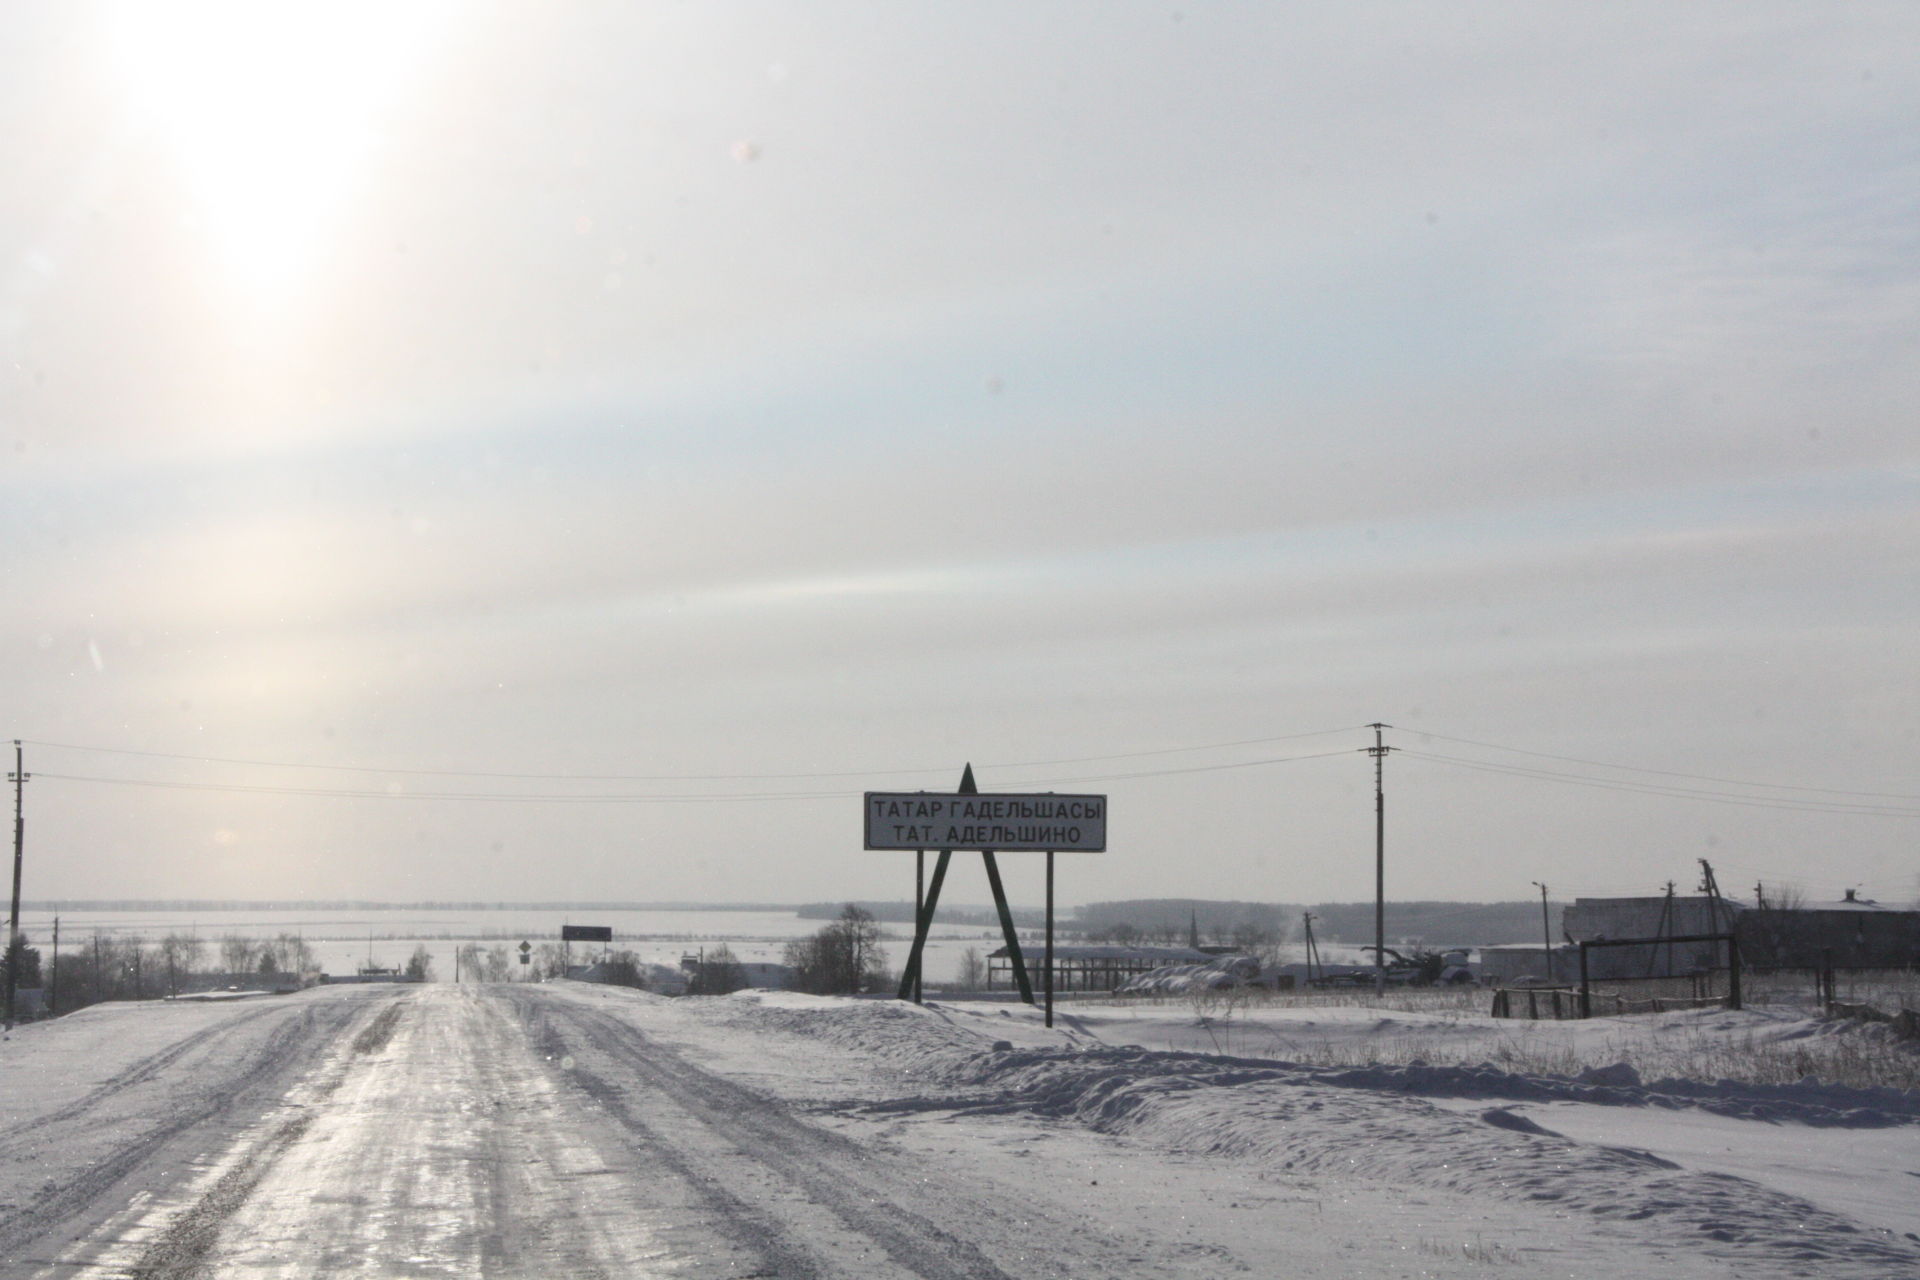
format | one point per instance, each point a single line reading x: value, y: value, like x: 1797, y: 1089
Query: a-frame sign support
x: 910, y: 976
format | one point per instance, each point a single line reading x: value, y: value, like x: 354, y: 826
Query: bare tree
x: 180, y: 955
x: 237, y: 953
x: 500, y: 963
x: 973, y: 970
x: 549, y: 961
x: 296, y: 957
x: 717, y: 973
x: 1258, y: 941
x: 844, y: 957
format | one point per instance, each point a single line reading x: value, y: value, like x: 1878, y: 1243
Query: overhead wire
x: 401, y: 771
x: 1669, y: 773
x: 1643, y: 786
x: 601, y: 797
x: 1653, y: 788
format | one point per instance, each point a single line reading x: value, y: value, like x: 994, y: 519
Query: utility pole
x: 1379, y: 753
x: 1313, y: 952
x: 1666, y: 932
x: 19, y: 779
x: 1711, y: 887
x: 1546, y: 933
x: 53, y: 974
x: 1667, y: 929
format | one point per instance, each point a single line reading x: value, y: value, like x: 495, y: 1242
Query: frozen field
x: 558, y: 1129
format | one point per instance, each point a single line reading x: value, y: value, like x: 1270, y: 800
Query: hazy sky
x: 697, y: 396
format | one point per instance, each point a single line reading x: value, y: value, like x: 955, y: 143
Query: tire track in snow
x: 226, y: 1081
x: 182, y: 1250
x: 430, y: 1141
x: 181, y: 1253
x: 138, y: 1073
x: 805, y: 1172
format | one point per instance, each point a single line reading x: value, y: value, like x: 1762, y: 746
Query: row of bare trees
x: 109, y: 966
x: 500, y: 963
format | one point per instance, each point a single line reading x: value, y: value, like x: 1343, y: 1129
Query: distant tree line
x: 92, y: 968
x: 475, y: 962
x: 902, y: 913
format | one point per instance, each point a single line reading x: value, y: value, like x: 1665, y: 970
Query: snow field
x: 1758, y: 1179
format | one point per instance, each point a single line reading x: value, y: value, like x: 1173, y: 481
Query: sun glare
x: 272, y: 110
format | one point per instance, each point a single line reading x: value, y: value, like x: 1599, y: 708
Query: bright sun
x: 272, y: 109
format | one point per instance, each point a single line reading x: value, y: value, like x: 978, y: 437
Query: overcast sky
x: 696, y: 396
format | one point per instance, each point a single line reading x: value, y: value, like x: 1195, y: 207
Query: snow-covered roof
x: 1852, y: 904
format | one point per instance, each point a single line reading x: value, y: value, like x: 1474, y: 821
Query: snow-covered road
x: 561, y: 1130
x: 505, y: 1131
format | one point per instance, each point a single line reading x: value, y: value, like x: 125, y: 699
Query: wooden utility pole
x: 1379, y: 753
x: 1665, y: 931
x: 1546, y: 932
x: 1313, y: 952
x: 19, y: 778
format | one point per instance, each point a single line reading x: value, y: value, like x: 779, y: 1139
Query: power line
x: 1658, y: 789
x: 679, y: 777
x: 1670, y: 773
x: 551, y: 797
x: 554, y: 797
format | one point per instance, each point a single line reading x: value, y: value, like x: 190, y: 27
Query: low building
x: 1654, y: 916
x: 1850, y: 933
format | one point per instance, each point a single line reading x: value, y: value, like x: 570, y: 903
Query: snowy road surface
x: 559, y: 1130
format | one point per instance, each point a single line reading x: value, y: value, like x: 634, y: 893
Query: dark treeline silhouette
x: 902, y: 913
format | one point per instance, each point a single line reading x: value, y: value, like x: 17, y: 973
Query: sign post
x: 967, y: 819
x: 919, y: 897
x: 1049, y: 937
x: 572, y: 933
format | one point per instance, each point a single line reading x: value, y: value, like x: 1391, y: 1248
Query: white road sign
x: 1003, y: 823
